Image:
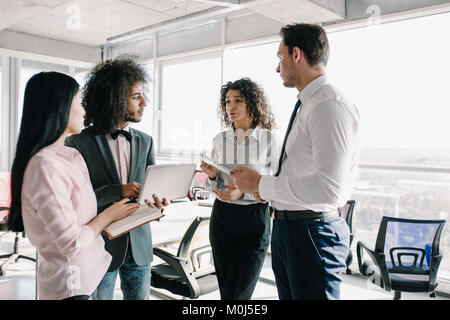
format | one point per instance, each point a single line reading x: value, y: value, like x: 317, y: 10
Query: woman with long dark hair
x: 240, y: 222
x: 52, y: 198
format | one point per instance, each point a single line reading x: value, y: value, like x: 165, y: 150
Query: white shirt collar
x: 311, y: 88
x: 256, y: 133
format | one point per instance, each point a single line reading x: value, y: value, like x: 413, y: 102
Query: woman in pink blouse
x: 52, y: 197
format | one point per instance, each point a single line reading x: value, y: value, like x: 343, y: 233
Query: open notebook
x: 171, y: 181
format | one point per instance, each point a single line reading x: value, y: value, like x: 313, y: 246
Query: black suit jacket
x: 105, y: 180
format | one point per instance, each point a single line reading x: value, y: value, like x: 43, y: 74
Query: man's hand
x: 258, y: 197
x: 131, y: 189
x: 209, y: 170
x: 158, y: 203
x: 247, y: 180
x: 230, y: 193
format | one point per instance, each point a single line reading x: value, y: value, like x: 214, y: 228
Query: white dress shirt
x: 322, y: 153
x: 260, y: 151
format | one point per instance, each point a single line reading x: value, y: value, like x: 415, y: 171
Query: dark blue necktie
x: 291, y: 121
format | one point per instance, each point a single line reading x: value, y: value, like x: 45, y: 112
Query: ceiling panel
x: 171, y: 6
x: 101, y: 19
x: 293, y: 11
x: 13, y: 12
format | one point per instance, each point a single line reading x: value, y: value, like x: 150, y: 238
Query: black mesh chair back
x: 406, y: 256
x: 409, y: 244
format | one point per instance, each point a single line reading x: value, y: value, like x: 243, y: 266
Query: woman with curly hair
x: 240, y: 222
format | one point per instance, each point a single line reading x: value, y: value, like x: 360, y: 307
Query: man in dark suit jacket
x: 117, y: 156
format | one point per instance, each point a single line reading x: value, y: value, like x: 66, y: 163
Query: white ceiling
x: 289, y: 11
x: 12, y: 12
x: 98, y: 20
x: 92, y: 22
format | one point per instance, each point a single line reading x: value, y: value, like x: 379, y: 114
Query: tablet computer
x: 216, y: 165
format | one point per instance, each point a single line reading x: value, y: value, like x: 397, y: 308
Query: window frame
x: 167, y: 153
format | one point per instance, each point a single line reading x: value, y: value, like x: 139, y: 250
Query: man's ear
x: 297, y: 54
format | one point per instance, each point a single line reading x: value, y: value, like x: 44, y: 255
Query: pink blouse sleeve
x: 50, y: 195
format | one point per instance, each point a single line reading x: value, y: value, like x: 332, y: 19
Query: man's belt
x: 303, y: 214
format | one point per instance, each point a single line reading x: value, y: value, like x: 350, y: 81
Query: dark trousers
x: 308, y: 257
x: 239, y: 236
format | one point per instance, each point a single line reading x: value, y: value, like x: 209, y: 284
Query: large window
x: 398, y: 75
x: 190, y: 92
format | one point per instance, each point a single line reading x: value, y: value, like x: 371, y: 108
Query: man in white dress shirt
x: 317, y: 168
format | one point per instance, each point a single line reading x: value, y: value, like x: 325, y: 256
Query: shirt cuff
x: 212, y: 183
x: 267, y: 188
x: 249, y: 196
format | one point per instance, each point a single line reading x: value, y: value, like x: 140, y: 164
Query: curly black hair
x: 106, y: 91
x: 257, y: 104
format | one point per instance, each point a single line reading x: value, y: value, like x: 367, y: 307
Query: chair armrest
x: 167, y: 242
x: 379, y: 261
x: 178, y: 263
x: 182, y: 266
x: 359, y: 253
x: 435, y: 261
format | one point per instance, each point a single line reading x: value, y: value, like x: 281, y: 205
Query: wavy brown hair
x: 256, y: 101
x: 105, y: 94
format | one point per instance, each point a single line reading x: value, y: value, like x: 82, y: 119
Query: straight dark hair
x: 46, y: 108
x: 310, y: 38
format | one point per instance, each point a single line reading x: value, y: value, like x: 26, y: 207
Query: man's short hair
x: 310, y: 38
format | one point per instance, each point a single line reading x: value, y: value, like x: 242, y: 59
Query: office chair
x: 198, y: 187
x: 190, y: 273
x: 406, y: 256
x: 5, y: 202
x: 347, y: 214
